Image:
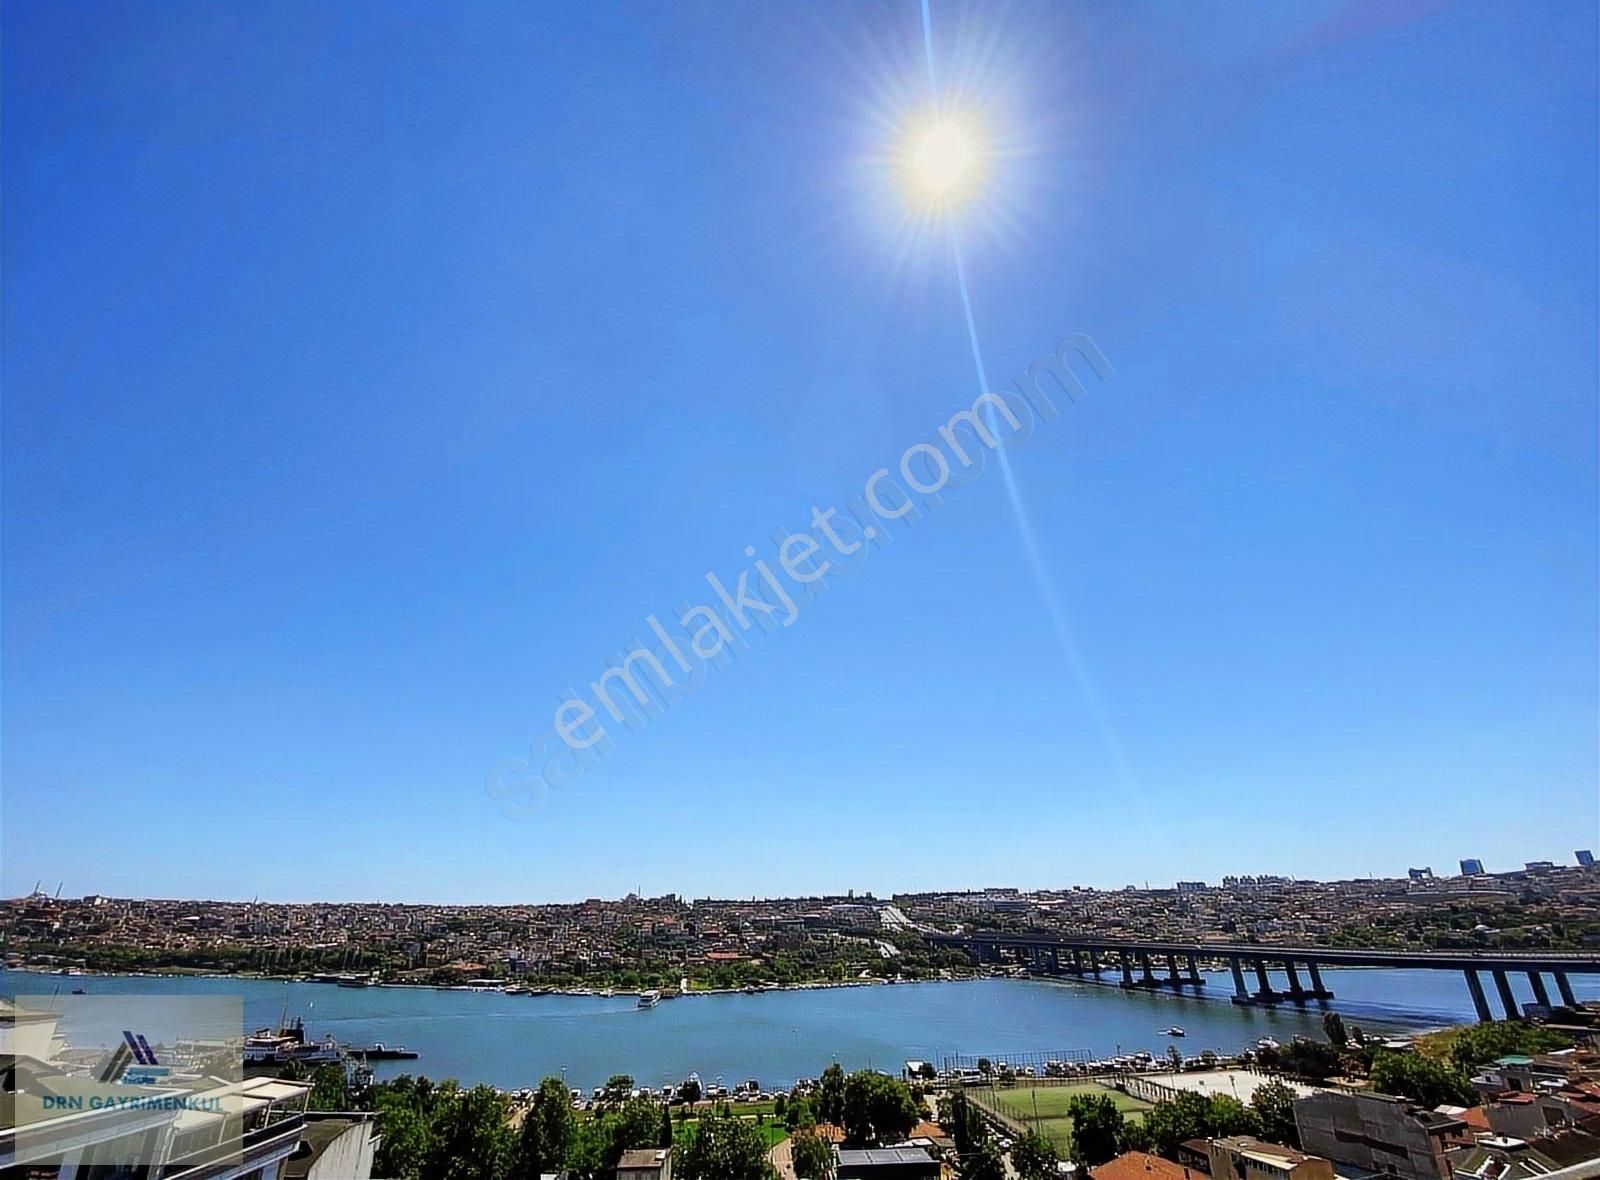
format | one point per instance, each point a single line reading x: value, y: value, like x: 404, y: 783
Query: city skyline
x: 1443, y: 871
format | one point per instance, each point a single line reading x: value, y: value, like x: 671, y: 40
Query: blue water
x: 775, y: 1037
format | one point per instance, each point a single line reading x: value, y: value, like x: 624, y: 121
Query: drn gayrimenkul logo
x: 133, y: 1063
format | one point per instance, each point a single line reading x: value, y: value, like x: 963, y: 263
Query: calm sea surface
x: 775, y: 1037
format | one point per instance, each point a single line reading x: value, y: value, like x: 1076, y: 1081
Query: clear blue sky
x: 372, y: 371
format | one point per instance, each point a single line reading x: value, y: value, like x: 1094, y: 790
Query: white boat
x: 1174, y: 1031
x: 649, y: 999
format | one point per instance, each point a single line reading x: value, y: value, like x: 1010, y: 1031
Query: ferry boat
x: 1174, y: 1031
x: 649, y: 999
x: 265, y: 1047
x: 355, y: 981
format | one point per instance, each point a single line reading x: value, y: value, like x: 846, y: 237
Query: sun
x: 945, y: 161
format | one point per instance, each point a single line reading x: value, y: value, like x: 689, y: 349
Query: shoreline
x: 1397, y: 1023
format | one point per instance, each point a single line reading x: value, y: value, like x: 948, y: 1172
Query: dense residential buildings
x: 721, y: 942
x: 1244, y: 1157
x: 1378, y: 1134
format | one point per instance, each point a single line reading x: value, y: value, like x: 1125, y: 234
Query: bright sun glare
x: 945, y: 157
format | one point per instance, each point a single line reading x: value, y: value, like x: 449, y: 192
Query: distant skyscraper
x: 1585, y: 858
x: 1471, y: 868
x: 1424, y: 874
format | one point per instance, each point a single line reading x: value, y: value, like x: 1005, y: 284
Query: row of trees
x: 445, y: 1131
x: 1100, y: 1129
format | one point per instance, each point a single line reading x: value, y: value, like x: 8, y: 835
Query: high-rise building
x: 1472, y: 868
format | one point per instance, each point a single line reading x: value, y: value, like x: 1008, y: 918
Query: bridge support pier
x: 1194, y: 973
x: 1241, y: 994
x: 1479, y: 1000
x: 1508, y: 1001
x: 1172, y: 972
x: 1318, y: 989
x: 1540, y: 995
x: 1564, y: 986
x: 1126, y: 961
x: 1146, y: 979
x: 1094, y: 963
x: 1265, y: 995
x: 1296, y: 992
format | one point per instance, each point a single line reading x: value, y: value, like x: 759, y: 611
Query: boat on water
x: 288, y: 1043
x: 1174, y: 1031
x: 355, y: 981
x: 649, y: 999
x: 381, y: 1052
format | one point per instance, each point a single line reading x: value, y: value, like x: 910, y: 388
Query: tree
x: 665, y: 1138
x: 1033, y: 1157
x: 1174, y: 1059
x: 406, y: 1137
x: 615, y: 1092
x: 1184, y: 1116
x: 812, y: 1155
x: 330, y: 1089
x: 1309, y: 1059
x: 1479, y: 1043
x: 725, y: 1148
x: 1097, y: 1129
x: 1333, y: 1025
x: 798, y: 1114
x: 548, y: 1131
x: 1226, y: 1115
x: 1274, y: 1106
x: 1421, y: 1079
x: 1134, y: 1136
x: 471, y: 1135
x: 965, y: 1125
x: 984, y: 1163
x: 956, y: 1120
x: 690, y: 1091
x: 877, y: 1108
x: 830, y: 1095
x: 635, y: 1123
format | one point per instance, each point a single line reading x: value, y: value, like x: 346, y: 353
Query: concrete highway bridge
x: 1175, y: 966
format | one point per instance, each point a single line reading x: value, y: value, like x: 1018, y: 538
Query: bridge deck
x: 1572, y: 962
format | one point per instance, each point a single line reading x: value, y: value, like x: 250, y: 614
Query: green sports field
x: 1046, y: 1106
